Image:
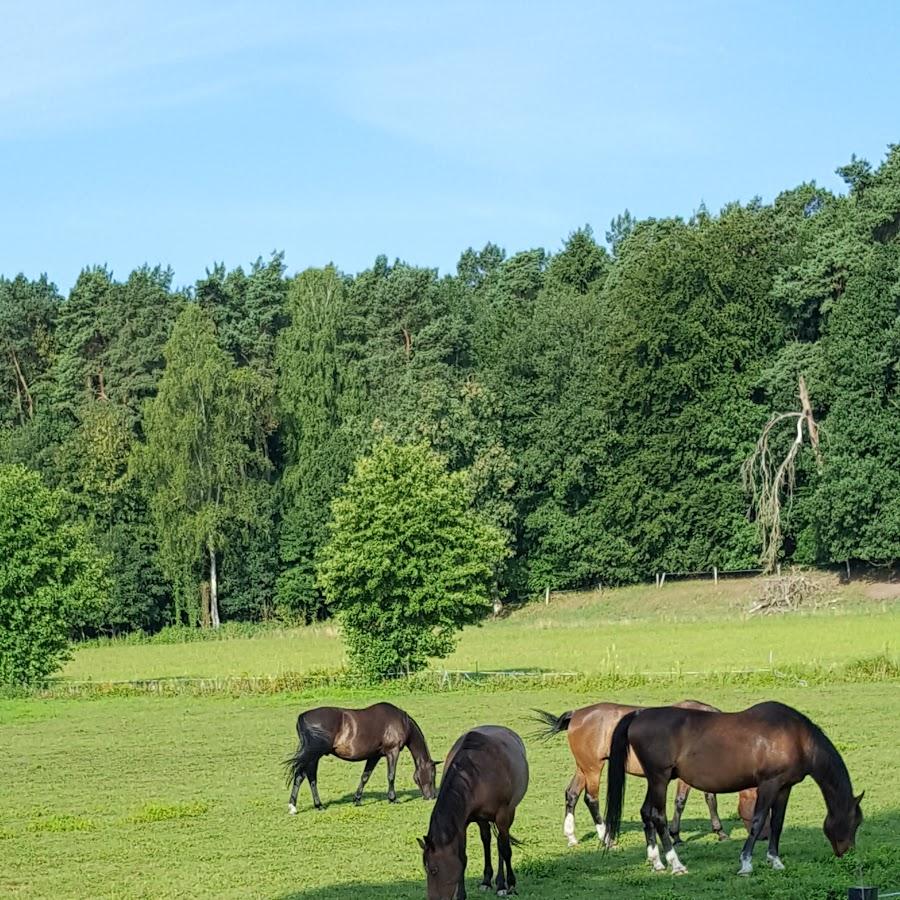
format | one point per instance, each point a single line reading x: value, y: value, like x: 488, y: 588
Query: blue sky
x: 193, y: 132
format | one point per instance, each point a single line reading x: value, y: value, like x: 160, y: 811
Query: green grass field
x: 127, y: 797
x: 689, y: 626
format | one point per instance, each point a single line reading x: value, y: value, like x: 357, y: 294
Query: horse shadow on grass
x: 586, y: 872
x: 403, y: 796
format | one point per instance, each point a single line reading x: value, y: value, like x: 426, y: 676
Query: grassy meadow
x: 183, y: 796
x: 685, y: 626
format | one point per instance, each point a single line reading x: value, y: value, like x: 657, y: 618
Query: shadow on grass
x: 584, y: 872
x: 305, y: 804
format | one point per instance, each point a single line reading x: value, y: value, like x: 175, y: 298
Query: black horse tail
x: 552, y: 724
x: 615, y: 784
x: 513, y: 842
x: 314, y: 741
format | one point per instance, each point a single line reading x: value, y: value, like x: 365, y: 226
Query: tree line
x: 598, y: 402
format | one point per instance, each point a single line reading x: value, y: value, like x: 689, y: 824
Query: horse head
x: 840, y: 828
x: 443, y: 867
x: 424, y: 777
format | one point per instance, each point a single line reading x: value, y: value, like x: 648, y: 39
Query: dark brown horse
x: 769, y: 746
x: 485, y: 778
x: 355, y: 735
x: 589, y: 730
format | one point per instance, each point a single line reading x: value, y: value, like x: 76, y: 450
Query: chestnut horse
x: 769, y: 746
x: 589, y: 731
x: 355, y: 735
x: 485, y: 778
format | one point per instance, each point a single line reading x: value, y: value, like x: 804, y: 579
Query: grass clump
x: 60, y: 823
x: 165, y: 812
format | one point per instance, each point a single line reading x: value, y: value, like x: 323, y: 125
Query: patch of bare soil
x: 883, y: 590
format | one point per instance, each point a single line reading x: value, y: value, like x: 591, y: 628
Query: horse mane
x: 449, y: 813
x: 416, y: 741
x: 830, y: 766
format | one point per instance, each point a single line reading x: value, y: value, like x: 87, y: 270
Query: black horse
x: 769, y: 746
x: 355, y: 735
x: 485, y: 778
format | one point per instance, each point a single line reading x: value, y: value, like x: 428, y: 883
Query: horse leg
x: 765, y: 797
x: 592, y: 802
x: 776, y: 823
x: 485, y: 829
x: 312, y: 774
x: 714, y: 819
x: 461, y: 889
x: 504, y: 848
x: 681, y: 795
x: 656, y: 795
x: 573, y: 792
x: 391, y: 757
x: 295, y: 789
x: 650, y: 833
x: 371, y: 762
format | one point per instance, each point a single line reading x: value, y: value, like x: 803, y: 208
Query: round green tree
x: 408, y: 561
x: 51, y: 578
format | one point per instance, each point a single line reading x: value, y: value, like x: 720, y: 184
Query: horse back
x: 719, y: 752
x: 497, y: 755
x: 356, y: 734
x: 590, y: 734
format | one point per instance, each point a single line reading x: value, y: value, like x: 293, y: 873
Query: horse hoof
x: 775, y: 863
x: 357, y: 801
x: 679, y: 870
x: 573, y: 841
x: 292, y: 810
x: 320, y: 808
x: 745, y: 870
x: 722, y: 835
x: 676, y: 840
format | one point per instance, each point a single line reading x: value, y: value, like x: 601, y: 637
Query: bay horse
x: 589, y: 730
x: 769, y: 746
x: 355, y: 735
x: 485, y: 778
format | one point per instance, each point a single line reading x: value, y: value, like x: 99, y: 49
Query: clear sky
x: 187, y: 133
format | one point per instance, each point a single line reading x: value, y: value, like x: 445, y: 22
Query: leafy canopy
x: 51, y: 578
x: 408, y: 562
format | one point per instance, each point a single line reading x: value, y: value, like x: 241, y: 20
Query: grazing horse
x: 354, y: 735
x: 589, y: 731
x: 485, y: 778
x: 769, y: 746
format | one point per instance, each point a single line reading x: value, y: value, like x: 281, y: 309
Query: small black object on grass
x: 862, y: 893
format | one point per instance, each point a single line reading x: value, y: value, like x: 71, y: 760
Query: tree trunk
x: 213, y: 589
x: 204, y: 604
x: 20, y: 379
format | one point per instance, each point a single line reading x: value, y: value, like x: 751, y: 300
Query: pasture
x: 686, y: 626
x: 139, y: 796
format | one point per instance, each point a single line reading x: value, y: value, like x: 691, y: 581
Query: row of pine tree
x: 601, y: 399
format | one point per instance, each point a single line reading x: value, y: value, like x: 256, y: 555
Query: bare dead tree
x: 771, y: 482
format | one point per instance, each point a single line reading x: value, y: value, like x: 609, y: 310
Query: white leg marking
x: 601, y: 831
x: 775, y: 862
x: 292, y: 810
x: 746, y: 866
x: 653, y: 857
x: 677, y: 867
x: 569, y: 829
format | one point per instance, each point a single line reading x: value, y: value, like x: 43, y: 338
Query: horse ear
x: 421, y: 843
x: 859, y: 798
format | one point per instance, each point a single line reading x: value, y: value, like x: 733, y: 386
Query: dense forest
x: 601, y: 401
